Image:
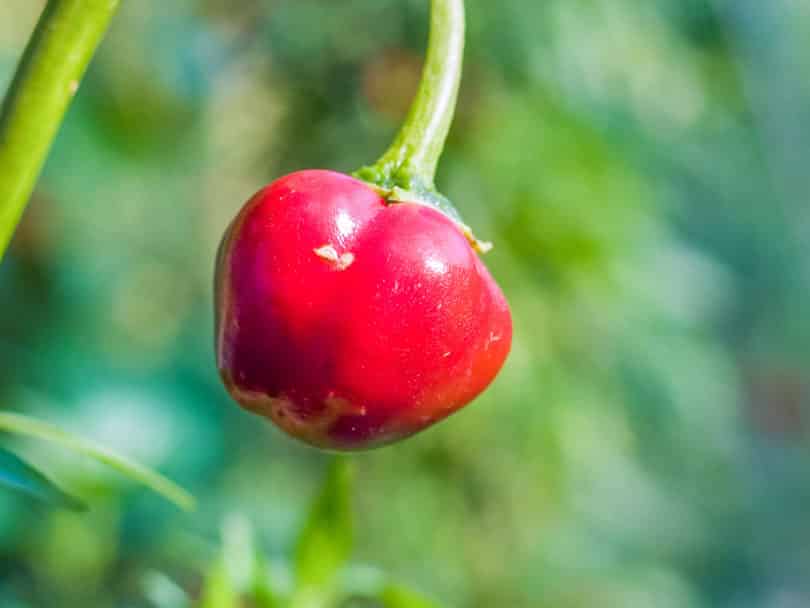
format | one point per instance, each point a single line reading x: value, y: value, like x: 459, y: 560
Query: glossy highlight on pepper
x: 350, y: 322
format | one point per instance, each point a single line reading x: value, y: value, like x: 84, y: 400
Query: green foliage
x: 219, y: 590
x: 162, y: 592
x: 263, y: 591
x: 24, y: 425
x: 641, y: 170
x: 18, y: 475
x: 323, y: 576
x: 400, y: 597
x: 325, y: 543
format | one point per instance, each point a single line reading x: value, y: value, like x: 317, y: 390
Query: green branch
x: 48, y: 76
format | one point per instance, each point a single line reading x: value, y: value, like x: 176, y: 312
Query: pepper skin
x: 349, y: 322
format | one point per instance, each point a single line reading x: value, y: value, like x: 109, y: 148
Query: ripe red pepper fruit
x: 353, y: 323
x: 355, y: 313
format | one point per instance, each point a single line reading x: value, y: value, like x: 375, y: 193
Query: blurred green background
x: 642, y: 169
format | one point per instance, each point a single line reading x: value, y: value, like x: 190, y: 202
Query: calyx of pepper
x: 411, y: 190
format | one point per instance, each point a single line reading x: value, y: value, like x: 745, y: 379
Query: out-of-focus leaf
x: 21, y: 477
x: 362, y: 581
x: 163, y: 592
x: 23, y: 425
x: 247, y: 568
x: 396, y: 596
x: 240, y: 572
x: 361, y: 602
x: 326, y: 540
x: 263, y: 589
x: 219, y: 590
x: 238, y: 552
x: 366, y: 587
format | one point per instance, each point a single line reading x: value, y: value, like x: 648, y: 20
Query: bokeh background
x: 642, y: 169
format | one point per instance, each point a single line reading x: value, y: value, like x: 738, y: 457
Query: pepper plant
x: 46, y: 80
x: 319, y: 572
x: 353, y: 311
x: 356, y: 311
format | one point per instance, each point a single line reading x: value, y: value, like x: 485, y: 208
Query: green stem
x: 411, y: 161
x: 407, y: 170
x: 65, y: 39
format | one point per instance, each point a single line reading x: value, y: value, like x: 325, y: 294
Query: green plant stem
x: 23, y: 425
x: 48, y: 76
x: 407, y: 170
x: 411, y: 161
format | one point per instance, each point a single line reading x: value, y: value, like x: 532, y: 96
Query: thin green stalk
x: 48, y: 76
x: 411, y: 161
x: 407, y: 171
x: 23, y: 425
